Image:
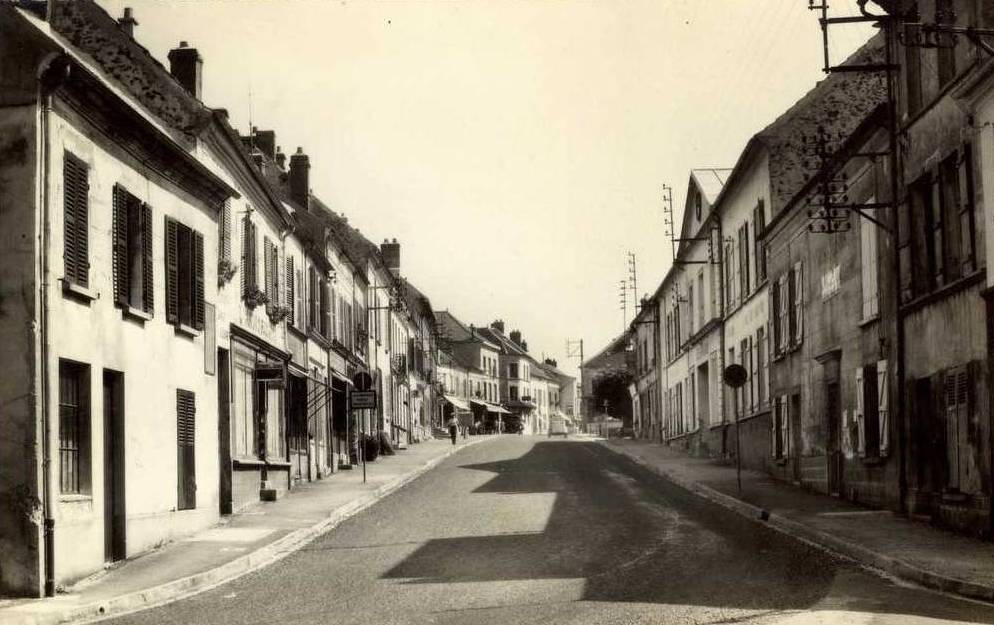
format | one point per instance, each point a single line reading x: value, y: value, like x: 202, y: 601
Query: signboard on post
x: 362, y: 400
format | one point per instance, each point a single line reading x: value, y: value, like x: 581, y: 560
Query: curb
x: 229, y: 571
x: 822, y: 540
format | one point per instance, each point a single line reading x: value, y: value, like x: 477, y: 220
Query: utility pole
x: 574, y: 349
x: 633, y: 282
x: 669, y: 228
x: 623, y: 300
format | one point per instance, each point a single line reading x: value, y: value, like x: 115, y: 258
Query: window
x: 744, y: 285
x: 869, y: 267
x: 74, y: 428
x: 700, y: 299
x: 184, y: 275
x: 243, y: 424
x: 132, y: 251
x: 512, y: 370
x: 872, y: 411
x: 797, y: 310
x: 250, y: 277
x: 292, y: 287
x: 513, y: 390
x: 758, y: 226
x: 691, y: 309
x: 762, y: 361
x: 780, y: 428
x: 76, y: 201
x: 958, y: 422
x: 743, y: 391
x: 186, y: 430
x: 271, y: 408
x: 937, y: 234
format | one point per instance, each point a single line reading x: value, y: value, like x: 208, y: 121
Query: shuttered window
x: 797, y: 325
x: 291, y: 291
x: 758, y: 226
x: 325, y: 308
x: 184, y: 275
x: 250, y: 280
x: 186, y: 436
x: 132, y: 251
x: 224, y: 233
x: 958, y: 426
x: 869, y: 267
x: 75, y: 176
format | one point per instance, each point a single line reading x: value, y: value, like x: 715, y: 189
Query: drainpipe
x: 56, y: 71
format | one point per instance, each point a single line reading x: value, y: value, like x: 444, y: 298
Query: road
x: 531, y: 530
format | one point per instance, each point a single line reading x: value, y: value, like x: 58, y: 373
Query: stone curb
x: 205, y: 580
x: 827, y: 542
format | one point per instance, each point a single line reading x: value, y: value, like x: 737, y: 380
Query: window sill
x: 296, y: 331
x: 69, y: 498
x: 71, y: 289
x: 185, y: 330
x: 869, y: 320
x: 129, y: 312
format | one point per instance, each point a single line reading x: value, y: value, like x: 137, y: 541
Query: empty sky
x: 515, y: 149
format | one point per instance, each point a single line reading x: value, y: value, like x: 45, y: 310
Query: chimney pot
x: 391, y: 255
x: 280, y: 158
x: 186, y: 66
x: 265, y: 140
x: 498, y: 325
x: 300, y: 178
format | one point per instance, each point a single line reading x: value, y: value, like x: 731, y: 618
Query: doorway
x: 225, y: 503
x: 115, y: 546
x: 299, y: 444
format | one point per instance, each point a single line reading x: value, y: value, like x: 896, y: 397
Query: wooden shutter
x: 798, y: 303
x: 267, y: 263
x: 172, y: 271
x: 859, y: 413
x: 198, y: 279
x: 883, y: 408
x: 758, y: 229
x: 298, y: 282
x: 224, y: 249
x: 966, y: 214
x: 76, y: 253
x: 775, y: 427
x: 290, y: 299
x: 277, y: 273
x: 753, y: 378
x: 186, y: 480
x: 148, y: 266
x: 938, y: 237
x: 120, y: 245
x: 246, y: 234
x: 325, y: 309
x: 784, y: 314
x: 785, y: 426
x: 951, y: 405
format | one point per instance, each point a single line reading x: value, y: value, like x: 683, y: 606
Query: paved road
x: 528, y: 530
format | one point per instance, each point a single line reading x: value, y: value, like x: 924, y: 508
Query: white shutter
x: 753, y: 379
x: 882, y: 407
x: 785, y: 430
x: 782, y: 316
x: 858, y: 415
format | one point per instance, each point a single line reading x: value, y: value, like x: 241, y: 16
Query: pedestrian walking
x: 453, y: 425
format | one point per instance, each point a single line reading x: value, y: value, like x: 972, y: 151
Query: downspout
x: 50, y: 79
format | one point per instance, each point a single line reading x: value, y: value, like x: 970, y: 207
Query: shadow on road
x: 634, y: 537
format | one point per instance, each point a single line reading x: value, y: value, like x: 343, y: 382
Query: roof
x: 618, y: 344
x: 837, y: 104
x: 458, y: 332
x: 710, y: 180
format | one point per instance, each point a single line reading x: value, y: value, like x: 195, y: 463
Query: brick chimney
x: 300, y: 178
x: 515, y: 336
x: 524, y: 345
x: 551, y: 362
x: 187, y: 67
x: 265, y: 140
x: 498, y: 325
x: 280, y: 158
x: 128, y: 22
x: 390, y: 250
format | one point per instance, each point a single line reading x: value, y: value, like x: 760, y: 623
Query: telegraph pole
x: 633, y: 281
x: 623, y: 300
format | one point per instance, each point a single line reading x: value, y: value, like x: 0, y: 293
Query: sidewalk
x: 241, y: 543
x: 907, y: 549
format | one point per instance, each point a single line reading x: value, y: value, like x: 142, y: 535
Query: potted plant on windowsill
x: 278, y: 313
x: 255, y: 298
x: 225, y: 271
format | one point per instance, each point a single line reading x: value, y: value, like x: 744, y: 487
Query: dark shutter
x: 76, y: 203
x: 938, y: 250
x: 904, y: 247
x: 245, y: 257
x: 325, y: 310
x: 198, y: 280
x: 186, y: 475
x: 120, y: 245
x: 148, y: 272
x: 172, y: 271
x: 267, y: 260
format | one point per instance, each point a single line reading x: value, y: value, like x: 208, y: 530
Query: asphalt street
x: 532, y: 530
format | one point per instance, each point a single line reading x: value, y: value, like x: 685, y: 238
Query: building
x: 422, y: 354
x: 480, y: 357
x: 604, y: 380
x: 689, y: 304
x: 115, y: 232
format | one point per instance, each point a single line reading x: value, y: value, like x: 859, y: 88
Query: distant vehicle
x: 557, y: 427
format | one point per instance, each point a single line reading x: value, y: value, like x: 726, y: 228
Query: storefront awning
x: 478, y: 402
x: 497, y: 409
x: 458, y: 403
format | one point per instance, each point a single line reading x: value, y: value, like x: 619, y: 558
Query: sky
x: 516, y: 150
